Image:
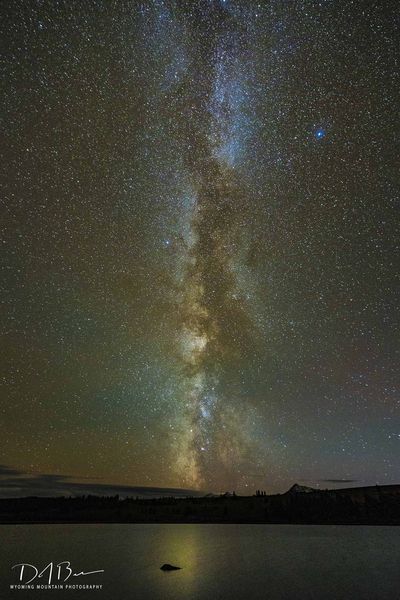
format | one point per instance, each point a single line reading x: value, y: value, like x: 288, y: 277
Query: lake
x: 247, y: 562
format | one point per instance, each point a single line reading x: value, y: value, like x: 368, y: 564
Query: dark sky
x: 200, y: 242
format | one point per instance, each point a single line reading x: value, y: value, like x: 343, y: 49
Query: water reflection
x: 218, y: 561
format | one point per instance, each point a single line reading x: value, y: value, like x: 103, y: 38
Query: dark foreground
x: 378, y: 505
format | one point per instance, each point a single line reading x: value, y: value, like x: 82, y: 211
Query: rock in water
x: 167, y: 567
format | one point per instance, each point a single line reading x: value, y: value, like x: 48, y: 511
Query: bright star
x: 320, y: 133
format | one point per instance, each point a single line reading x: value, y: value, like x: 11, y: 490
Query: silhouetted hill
x: 364, y: 505
x: 296, y: 489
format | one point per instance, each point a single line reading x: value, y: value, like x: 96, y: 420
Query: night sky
x: 200, y: 244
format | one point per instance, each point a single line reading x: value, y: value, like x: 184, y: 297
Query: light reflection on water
x: 218, y: 561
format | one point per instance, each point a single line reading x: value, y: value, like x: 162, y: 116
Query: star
x: 320, y: 133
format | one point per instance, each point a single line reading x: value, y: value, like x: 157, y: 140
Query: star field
x: 200, y: 242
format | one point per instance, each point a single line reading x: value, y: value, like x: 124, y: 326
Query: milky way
x: 210, y: 298
x: 201, y: 209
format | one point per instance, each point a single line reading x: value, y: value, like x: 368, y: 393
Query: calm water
x: 218, y: 561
